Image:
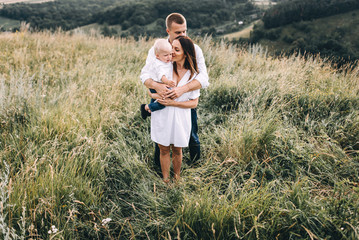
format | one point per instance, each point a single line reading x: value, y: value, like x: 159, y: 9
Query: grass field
x: 279, y: 145
x: 7, y: 23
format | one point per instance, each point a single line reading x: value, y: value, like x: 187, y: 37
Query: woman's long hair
x: 190, y: 55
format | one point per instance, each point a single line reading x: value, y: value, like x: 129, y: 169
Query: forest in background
x: 134, y: 18
x: 326, y: 28
x: 302, y: 10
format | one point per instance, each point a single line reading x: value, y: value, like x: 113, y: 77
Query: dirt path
x: 244, y: 33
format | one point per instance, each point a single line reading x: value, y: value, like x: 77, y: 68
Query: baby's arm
x: 170, y: 83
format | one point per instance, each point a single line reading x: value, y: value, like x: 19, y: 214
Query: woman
x: 171, y: 126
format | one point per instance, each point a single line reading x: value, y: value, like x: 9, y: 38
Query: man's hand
x: 161, y: 89
x: 179, y: 91
x: 176, y: 92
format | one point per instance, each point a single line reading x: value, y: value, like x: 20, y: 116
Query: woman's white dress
x: 172, y: 125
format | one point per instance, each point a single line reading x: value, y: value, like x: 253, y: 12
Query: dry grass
x: 279, y: 141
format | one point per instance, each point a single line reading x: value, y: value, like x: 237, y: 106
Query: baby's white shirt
x: 159, y: 68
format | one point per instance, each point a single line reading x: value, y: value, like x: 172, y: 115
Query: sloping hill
x: 279, y: 141
x: 335, y: 37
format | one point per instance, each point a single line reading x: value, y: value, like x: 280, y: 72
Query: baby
x: 161, y: 71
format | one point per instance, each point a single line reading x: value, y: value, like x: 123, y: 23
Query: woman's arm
x: 186, y: 104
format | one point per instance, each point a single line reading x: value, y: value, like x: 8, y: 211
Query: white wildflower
x: 53, y: 230
x: 105, y: 221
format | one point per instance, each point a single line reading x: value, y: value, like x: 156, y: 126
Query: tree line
x: 131, y: 15
x: 65, y: 14
x: 324, y: 37
x: 302, y: 10
x: 199, y: 14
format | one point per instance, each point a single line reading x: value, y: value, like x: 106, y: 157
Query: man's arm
x: 146, y: 70
x: 202, y: 76
x: 179, y: 91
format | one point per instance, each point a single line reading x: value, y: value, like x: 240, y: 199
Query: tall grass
x: 279, y: 139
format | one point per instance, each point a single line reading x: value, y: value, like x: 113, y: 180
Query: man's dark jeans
x: 194, y: 144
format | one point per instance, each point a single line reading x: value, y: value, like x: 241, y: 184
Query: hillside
x: 334, y: 37
x: 326, y: 28
x: 6, y: 24
x: 134, y: 18
x: 279, y: 141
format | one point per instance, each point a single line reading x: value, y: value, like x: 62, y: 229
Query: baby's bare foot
x: 147, y: 108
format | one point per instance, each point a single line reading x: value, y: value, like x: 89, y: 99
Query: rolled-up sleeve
x: 202, y: 76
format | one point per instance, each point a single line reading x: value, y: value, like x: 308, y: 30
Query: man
x: 176, y: 25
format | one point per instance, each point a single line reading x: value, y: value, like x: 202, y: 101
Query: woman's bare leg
x: 177, y: 161
x: 165, y: 160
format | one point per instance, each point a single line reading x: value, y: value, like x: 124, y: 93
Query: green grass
x: 7, y: 23
x: 279, y: 141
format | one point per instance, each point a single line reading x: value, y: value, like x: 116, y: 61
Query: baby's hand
x: 171, y: 83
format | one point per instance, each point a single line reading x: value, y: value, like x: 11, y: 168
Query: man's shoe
x: 144, y: 112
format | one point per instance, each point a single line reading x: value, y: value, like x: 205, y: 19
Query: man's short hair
x: 174, y: 18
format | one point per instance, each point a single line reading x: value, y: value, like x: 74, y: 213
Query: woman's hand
x: 176, y: 92
x: 167, y: 101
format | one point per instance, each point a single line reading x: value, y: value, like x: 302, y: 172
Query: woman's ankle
x: 177, y: 177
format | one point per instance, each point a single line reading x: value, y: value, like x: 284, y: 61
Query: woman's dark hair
x: 190, y: 55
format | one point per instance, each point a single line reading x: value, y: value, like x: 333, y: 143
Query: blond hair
x: 162, y: 45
